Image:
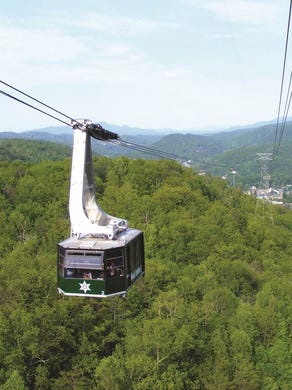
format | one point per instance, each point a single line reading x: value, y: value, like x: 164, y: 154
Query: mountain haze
x: 216, y: 153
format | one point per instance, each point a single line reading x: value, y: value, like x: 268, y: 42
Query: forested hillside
x: 218, y: 154
x: 245, y: 162
x: 32, y: 151
x: 214, y: 310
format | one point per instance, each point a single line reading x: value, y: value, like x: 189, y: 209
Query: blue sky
x: 180, y: 64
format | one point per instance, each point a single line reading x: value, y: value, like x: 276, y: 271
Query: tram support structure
x: 86, y: 216
x: 264, y: 159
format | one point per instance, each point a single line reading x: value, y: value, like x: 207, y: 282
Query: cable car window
x: 114, y: 254
x: 131, y: 258
x: 73, y: 273
x: 114, y: 264
x: 139, y: 253
x: 83, y: 260
x: 135, y: 258
x: 82, y: 265
x: 61, y: 262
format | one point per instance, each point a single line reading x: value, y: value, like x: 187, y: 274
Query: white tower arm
x: 86, y: 217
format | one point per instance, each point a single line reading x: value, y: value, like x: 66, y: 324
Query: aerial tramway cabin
x: 103, y: 257
x: 100, y: 267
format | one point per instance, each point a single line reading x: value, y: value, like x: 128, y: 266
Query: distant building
x: 273, y: 195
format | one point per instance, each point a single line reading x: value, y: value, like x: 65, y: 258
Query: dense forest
x: 32, y: 151
x: 214, y: 310
x: 245, y: 162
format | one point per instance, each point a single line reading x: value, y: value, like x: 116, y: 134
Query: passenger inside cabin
x: 69, y: 273
x: 112, y: 270
x: 87, y: 275
x: 99, y: 274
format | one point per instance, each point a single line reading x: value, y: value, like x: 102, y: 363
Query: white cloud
x: 116, y: 50
x: 116, y: 24
x: 46, y: 56
x: 220, y: 36
x: 250, y: 12
x: 27, y: 45
x: 97, y: 69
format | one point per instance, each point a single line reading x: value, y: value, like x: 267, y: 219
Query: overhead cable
x: 33, y: 107
x: 285, y: 114
x: 40, y: 102
x: 146, y: 149
x: 276, y: 143
x: 36, y: 100
x: 126, y: 144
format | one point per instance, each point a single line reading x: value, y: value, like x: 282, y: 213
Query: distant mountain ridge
x: 132, y: 130
x: 232, y: 147
x: 189, y: 145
